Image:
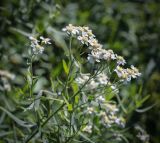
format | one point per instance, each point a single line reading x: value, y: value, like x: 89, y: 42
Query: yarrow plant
x: 85, y: 103
x: 86, y: 99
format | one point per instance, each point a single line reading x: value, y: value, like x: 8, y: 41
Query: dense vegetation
x: 131, y: 29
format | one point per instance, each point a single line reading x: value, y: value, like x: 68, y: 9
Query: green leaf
x: 77, y: 99
x: 5, y: 133
x: 18, y: 121
x: 140, y: 102
x: 145, y: 109
x: 65, y: 67
x: 86, y: 138
x: 74, y: 87
x: 70, y: 108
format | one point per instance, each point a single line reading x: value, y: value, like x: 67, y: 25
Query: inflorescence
x: 98, y: 53
x: 38, y: 45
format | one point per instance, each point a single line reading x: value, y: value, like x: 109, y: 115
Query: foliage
x: 129, y: 28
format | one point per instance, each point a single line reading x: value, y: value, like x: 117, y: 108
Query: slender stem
x: 70, y: 46
x: 46, y: 121
x: 43, y: 124
x: 31, y: 76
x: 85, y: 83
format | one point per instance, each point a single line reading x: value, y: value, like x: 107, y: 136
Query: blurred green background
x: 129, y: 27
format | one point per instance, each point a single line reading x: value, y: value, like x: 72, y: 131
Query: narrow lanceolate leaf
x: 86, y: 138
x: 17, y: 120
x: 65, y: 67
x: 2, y: 134
x: 145, y: 109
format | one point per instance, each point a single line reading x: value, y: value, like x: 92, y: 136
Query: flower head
x: 120, y: 60
x: 36, y: 45
x: 45, y: 40
x: 37, y: 49
x: 88, y: 129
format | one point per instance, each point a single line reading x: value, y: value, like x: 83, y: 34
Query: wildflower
x: 120, y: 60
x: 45, y: 40
x: 33, y: 40
x: 90, y: 110
x: 37, y: 49
x: 111, y: 108
x: 120, y: 122
x: 82, y: 78
x: 135, y: 72
x: 36, y: 45
x: 122, y: 73
x: 127, y: 74
x: 95, y: 55
x: 102, y: 78
x: 83, y: 39
x: 88, y: 129
x: 98, y: 54
x: 108, y: 55
x: 94, y: 43
x: 92, y: 84
x: 71, y: 30
x: 100, y: 98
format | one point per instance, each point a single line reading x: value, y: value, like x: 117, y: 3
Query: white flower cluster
x: 98, y: 54
x: 38, y: 45
x: 100, y: 80
x: 109, y: 117
x: 127, y: 74
x: 85, y: 36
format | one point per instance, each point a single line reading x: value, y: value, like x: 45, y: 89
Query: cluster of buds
x: 127, y: 74
x: 37, y: 45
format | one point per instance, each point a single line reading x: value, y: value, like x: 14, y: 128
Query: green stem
x: 43, y: 124
x: 85, y: 83
x: 70, y: 48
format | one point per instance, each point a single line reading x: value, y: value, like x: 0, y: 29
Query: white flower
x: 71, y: 30
x: 136, y: 71
x: 45, y: 40
x: 120, y: 60
x: 111, y: 108
x: 120, y: 71
x: 100, y: 98
x: 90, y: 110
x: 33, y: 40
x: 92, y: 84
x: 88, y: 129
x: 115, y: 89
x: 83, y: 39
x: 102, y: 78
x: 82, y: 78
x: 108, y: 55
x: 96, y: 54
x: 37, y: 49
